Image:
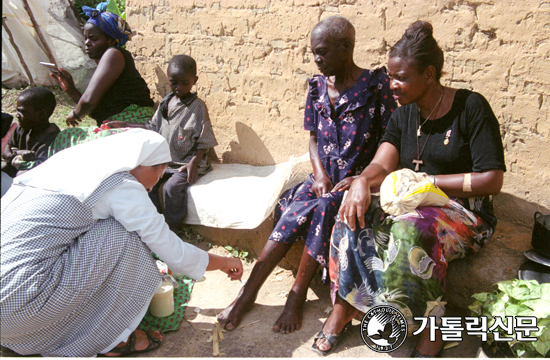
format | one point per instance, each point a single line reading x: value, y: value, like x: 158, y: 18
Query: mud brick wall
x: 254, y: 59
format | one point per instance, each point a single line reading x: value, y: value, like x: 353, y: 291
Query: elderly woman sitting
x: 451, y: 135
x: 346, y: 110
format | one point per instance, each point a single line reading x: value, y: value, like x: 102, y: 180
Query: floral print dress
x: 347, y: 139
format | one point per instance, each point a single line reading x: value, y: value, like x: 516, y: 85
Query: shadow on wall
x: 515, y: 210
x: 163, y: 86
x: 249, y: 149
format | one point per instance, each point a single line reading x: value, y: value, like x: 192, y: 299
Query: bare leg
x: 272, y: 253
x: 291, y: 317
x: 342, y: 313
x: 426, y: 347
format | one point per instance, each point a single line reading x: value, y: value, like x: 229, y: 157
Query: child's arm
x: 192, y: 167
x: 205, y: 140
x: 233, y: 267
x: 322, y: 184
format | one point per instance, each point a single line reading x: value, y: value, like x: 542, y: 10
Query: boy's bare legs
x: 291, y: 318
x: 272, y: 253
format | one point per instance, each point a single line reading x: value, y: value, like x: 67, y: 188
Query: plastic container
x: 162, y: 304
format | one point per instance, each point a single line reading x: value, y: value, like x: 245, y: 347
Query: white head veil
x: 79, y: 170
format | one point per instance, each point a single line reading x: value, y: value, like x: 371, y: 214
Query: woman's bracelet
x: 76, y: 116
x: 467, y: 184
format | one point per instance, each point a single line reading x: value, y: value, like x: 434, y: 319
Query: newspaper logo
x: 384, y: 329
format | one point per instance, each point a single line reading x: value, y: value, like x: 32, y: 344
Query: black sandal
x: 332, y: 339
x: 130, y: 347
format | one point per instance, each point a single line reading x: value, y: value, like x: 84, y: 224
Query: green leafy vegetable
x: 518, y: 298
x: 236, y: 252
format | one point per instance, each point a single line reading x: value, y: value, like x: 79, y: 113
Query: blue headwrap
x: 111, y: 24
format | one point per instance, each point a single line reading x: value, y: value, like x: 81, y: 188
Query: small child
x: 28, y: 145
x: 182, y: 118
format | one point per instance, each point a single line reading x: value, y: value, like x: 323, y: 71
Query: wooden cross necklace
x: 419, y: 152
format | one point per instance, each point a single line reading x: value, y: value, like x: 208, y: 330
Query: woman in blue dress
x: 347, y: 109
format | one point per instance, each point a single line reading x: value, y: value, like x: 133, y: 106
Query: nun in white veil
x: 77, y: 232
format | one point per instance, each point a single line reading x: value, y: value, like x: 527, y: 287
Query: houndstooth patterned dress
x: 70, y: 284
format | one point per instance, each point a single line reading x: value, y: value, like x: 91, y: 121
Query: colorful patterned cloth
x: 171, y: 323
x: 111, y: 24
x: 346, y: 141
x: 402, y: 260
x: 133, y: 114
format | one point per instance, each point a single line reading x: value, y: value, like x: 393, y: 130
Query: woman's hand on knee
x: 322, y: 186
x: 356, y: 203
x: 344, y: 184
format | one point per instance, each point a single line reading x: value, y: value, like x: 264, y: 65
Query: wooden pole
x: 38, y: 32
x: 76, y: 14
x: 5, y: 26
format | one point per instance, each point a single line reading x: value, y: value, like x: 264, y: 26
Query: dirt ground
x: 254, y: 337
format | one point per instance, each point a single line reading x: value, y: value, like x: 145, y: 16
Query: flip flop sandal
x: 332, y: 340
x: 130, y: 347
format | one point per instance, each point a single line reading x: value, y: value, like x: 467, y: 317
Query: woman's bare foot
x: 342, y: 313
x: 232, y: 315
x: 291, y: 317
x: 272, y: 253
x: 142, y: 342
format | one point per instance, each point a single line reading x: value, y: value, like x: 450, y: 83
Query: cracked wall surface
x: 254, y: 59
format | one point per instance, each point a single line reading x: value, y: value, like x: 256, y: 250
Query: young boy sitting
x: 182, y: 118
x: 28, y: 145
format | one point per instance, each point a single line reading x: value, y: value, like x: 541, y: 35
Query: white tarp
x: 62, y: 34
x: 242, y: 196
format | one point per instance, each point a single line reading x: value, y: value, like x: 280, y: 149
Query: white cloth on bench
x: 241, y: 196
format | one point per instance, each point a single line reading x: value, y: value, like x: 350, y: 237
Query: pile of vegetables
x: 518, y: 298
